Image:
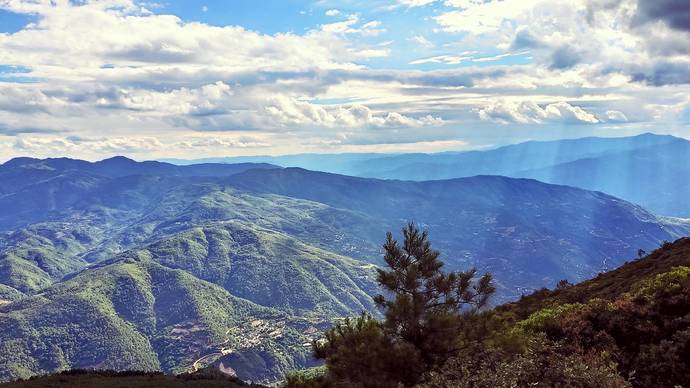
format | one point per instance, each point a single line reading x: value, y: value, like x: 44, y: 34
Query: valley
x: 241, y: 271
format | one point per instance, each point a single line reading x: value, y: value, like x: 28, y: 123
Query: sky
x: 189, y: 79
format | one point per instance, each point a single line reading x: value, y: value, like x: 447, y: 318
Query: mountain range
x: 650, y: 170
x: 126, y: 265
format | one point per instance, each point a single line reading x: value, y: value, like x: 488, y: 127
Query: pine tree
x: 424, y: 313
x: 427, y: 306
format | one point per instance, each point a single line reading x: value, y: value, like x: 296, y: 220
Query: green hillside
x: 629, y: 327
x: 626, y: 327
x: 137, y: 314
x: 270, y: 269
x: 241, y: 272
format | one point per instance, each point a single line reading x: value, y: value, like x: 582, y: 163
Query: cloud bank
x: 108, y: 76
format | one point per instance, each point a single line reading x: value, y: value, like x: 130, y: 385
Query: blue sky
x: 95, y: 78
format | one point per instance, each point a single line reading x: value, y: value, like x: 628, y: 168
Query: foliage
x: 137, y: 314
x: 307, y: 378
x: 642, y: 325
x: 547, y: 320
x: 428, y: 304
x: 100, y: 268
x: 543, y: 364
x: 422, y: 320
x: 130, y: 379
x: 635, y: 334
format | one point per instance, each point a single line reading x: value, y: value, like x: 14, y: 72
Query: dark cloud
x: 675, y: 13
x: 664, y: 73
x: 564, y: 57
x: 524, y: 39
x: 14, y: 131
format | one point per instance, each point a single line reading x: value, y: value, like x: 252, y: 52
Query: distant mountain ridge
x: 657, y: 177
x: 648, y: 169
x: 120, y: 166
x: 455, y: 164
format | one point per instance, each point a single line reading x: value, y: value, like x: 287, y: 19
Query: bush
x: 544, y: 364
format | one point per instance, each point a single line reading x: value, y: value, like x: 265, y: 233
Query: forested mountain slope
x: 263, y: 259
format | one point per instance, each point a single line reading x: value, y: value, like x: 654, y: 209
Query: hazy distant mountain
x: 505, y: 160
x: 99, y: 268
x: 346, y: 163
x: 419, y: 166
x: 120, y: 166
x: 650, y: 170
x: 657, y: 177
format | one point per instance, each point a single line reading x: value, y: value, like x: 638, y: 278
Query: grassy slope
x: 120, y: 313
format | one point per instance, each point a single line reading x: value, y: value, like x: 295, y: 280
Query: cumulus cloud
x: 528, y: 112
x: 121, y: 34
x: 142, y: 147
x: 642, y: 39
x: 479, y: 17
x: 662, y: 72
x: 103, y: 145
x: 616, y: 116
x: 190, y: 85
x: 288, y: 112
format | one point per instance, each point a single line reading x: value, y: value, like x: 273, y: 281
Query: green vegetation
x: 129, y: 379
x: 428, y: 308
x: 270, y: 269
x: 176, y: 272
x: 627, y: 328
x: 135, y: 314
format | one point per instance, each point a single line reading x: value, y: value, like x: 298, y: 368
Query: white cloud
x: 119, y: 34
x: 332, y: 12
x: 416, y: 3
x: 478, y: 17
x: 528, y: 112
x: 422, y: 41
x: 444, y: 59
x: 139, y: 74
x: 350, y: 26
x: 290, y: 112
x: 499, y: 56
x: 102, y: 145
x: 616, y: 116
